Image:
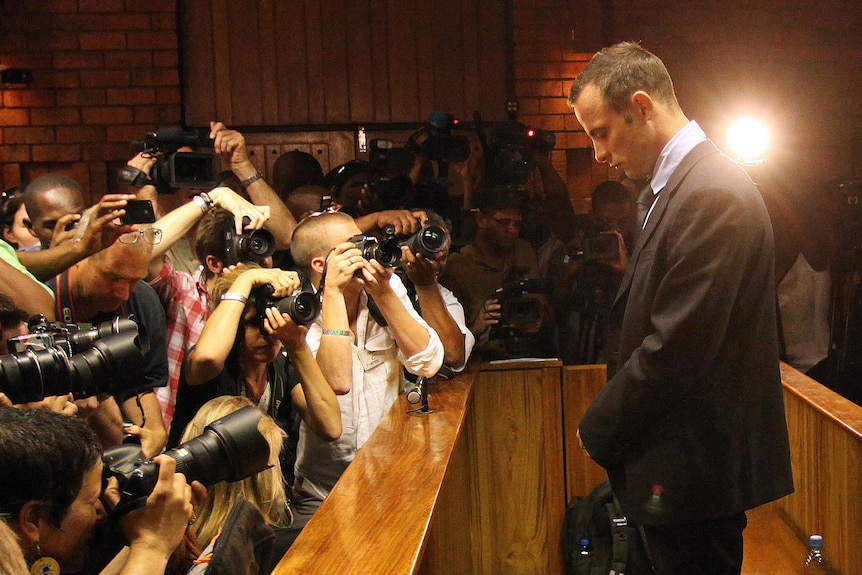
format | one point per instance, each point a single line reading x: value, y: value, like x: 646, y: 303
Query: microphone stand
x: 420, y: 389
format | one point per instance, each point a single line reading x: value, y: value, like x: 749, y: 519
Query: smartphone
x: 139, y: 212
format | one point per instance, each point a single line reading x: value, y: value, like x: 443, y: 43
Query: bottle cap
x: 815, y: 541
x: 585, y: 542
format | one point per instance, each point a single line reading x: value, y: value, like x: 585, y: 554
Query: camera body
x: 521, y: 316
x: 428, y: 241
x: 230, y: 449
x: 249, y: 246
x: 302, y: 306
x: 60, y: 358
x: 174, y: 169
x: 510, y: 152
x: 601, y: 247
x: 436, y: 142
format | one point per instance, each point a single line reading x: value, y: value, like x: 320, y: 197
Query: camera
x: 173, y: 169
x: 438, y: 143
x: 601, y: 247
x: 429, y: 241
x: 520, y: 316
x: 302, y: 306
x: 510, y: 150
x: 386, y: 251
x: 60, y: 358
x: 249, y: 246
x: 230, y: 449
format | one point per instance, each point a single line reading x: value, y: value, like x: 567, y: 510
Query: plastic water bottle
x: 815, y: 563
x: 586, y: 549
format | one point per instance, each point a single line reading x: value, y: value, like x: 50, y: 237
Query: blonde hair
x: 310, y: 238
x: 264, y: 490
x: 11, y: 557
x: 224, y: 281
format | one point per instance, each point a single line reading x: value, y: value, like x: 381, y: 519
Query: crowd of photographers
x: 314, y: 300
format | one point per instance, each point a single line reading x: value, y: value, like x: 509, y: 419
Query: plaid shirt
x: 186, y: 301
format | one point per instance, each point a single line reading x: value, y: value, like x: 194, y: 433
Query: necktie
x: 644, y: 203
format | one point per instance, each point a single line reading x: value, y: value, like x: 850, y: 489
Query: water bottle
x: 815, y: 562
x: 586, y: 549
x: 584, y: 562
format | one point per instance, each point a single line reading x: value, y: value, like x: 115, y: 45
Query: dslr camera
x: 174, y: 169
x: 436, y: 142
x: 302, y: 306
x: 520, y: 315
x: 510, y: 152
x: 249, y: 246
x: 230, y: 449
x: 428, y: 241
x: 56, y: 359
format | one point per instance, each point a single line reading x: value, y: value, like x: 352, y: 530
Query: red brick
x: 80, y: 134
x: 10, y: 153
x: 125, y: 133
x: 28, y: 98
x: 59, y: 6
x: 529, y: 105
x: 55, y: 116
x: 170, y: 115
x: 163, y: 6
x: 164, y: 21
x: 106, y: 152
x: 103, y: 41
x: 152, y: 40
x: 81, y: 97
x: 168, y: 96
x: 107, y: 115
x: 572, y: 124
x: 129, y: 59
x: 166, y: 59
x: 57, y: 153
x: 101, y: 22
x: 28, y: 135
x: 100, y: 6
x: 105, y: 78
x: 554, y: 106
x: 15, y: 42
x: 57, y: 40
x: 146, y: 115
x: 59, y: 79
x: 14, y: 117
x: 78, y: 60
x: 156, y: 77
x: 129, y: 96
x: 543, y: 88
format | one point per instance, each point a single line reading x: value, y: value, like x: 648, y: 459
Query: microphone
x: 414, y: 394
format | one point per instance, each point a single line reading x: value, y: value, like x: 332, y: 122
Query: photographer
x: 50, y: 486
x: 251, y: 364
x: 361, y: 350
x: 587, y: 273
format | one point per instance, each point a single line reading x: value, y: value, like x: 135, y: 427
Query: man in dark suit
x: 691, y: 425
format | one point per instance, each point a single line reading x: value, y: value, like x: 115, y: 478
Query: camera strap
x: 65, y: 303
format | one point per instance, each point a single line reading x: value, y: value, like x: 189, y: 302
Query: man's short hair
x: 622, y: 69
x: 500, y: 197
x: 310, y: 239
x: 210, y: 238
x: 46, y: 183
x: 44, y: 456
x: 611, y: 192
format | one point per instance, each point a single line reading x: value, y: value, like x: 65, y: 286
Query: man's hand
x: 405, y: 222
x: 61, y: 235
x: 229, y: 200
x: 620, y: 264
x: 375, y: 278
x: 101, y: 230
x: 342, y: 265
x: 289, y: 333
x: 488, y: 316
x: 421, y: 270
x: 230, y: 144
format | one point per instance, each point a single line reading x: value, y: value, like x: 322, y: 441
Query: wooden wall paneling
x: 448, y: 56
x: 222, y: 89
x: 336, y: 69
x: 470, y: 65
x: 402, y: 42
x: 291, y: 47
x: 581, y: 383
x: 268, y: 63
x: 380, y: 62
x: 448, y: 550
x: 257, y: 155
x: 320, y: 150
x: 840, y: 498
x: 244, y: 37
x: 315, y: 63
x: 803, y: 427
x: 494, y: 72
x: 424, y: 33
x: 199, y: 105
x: 518, y: 473
x: 359, y: 56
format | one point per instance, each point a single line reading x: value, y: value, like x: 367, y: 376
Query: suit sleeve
x: 704, y: 254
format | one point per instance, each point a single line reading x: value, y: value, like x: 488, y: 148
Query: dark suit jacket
x: 691, y: 425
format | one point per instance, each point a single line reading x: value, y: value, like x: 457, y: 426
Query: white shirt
x: 456, y: 310
x: 376, y: 381
x: 671, y: 157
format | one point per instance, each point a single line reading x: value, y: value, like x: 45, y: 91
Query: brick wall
x: 105, y: 72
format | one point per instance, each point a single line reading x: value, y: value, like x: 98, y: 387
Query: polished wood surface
x: 376, y: 518
x: 771, y: 546
x: 581, y: 383
x: 826, y: 449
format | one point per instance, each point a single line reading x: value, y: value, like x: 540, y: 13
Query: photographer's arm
x: 405, y: 222
x: 144, y: 412
x: 178, y: 222
x: 335, y: 352
x: 25, y: 292
x: 100, y: 233
x: 231, y: 143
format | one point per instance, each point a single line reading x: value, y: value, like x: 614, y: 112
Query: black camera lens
x: 428, y: 241
x: 302, y: 307
x: 33, y: 374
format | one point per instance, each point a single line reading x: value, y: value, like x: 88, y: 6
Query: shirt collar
x: 673, y: 153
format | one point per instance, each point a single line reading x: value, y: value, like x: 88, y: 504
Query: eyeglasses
x: 505, y: 222
x: 150, y: 236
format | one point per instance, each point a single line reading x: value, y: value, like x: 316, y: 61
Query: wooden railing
x: 480, y: 485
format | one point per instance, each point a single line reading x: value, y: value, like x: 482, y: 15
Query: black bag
x: 615, y: 546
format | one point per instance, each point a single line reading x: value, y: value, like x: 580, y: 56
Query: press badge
x: 369, y: 359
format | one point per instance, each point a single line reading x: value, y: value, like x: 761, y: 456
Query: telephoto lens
x: 428, y: 241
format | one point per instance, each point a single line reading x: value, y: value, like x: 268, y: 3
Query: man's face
x: 109, y: 281
x: 501, y: 228
x: 53, y: 205
x: 615, y: 217
x: 624, y: 141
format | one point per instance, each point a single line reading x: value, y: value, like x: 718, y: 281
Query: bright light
x: 748, y: 139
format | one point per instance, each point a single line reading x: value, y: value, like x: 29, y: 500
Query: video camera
x: 510, y: 152
x: 302, y: 306
x: 60, y: 358
x: 249, y: 246
x: 230, y: 449
x: 438, y: 143
x: 428, y: 241
x: 520, y: 315
x: 173, y: 169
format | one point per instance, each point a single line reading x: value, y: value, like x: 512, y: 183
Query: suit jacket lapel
x: 655, y: 217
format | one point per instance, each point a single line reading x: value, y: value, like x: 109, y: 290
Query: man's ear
x: 213, y: 265
x: 642, y: 105
x: 28, y: 521
x: 317, y: 264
